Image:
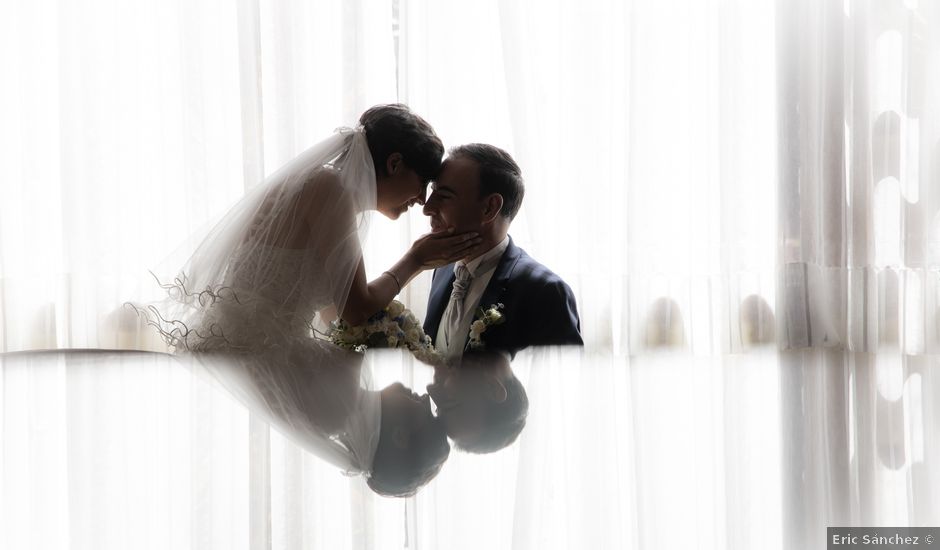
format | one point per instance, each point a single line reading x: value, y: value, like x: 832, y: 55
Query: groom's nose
x: 442, y: 400
x: 434, y: 391
x: 422, y: 198
x: 428, y: 206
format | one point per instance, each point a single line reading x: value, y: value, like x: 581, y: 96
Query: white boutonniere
x: 485, y: 318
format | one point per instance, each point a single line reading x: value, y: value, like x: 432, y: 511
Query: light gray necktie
x: 454, y: 314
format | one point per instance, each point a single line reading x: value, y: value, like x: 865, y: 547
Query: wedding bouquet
x: 393, y: 327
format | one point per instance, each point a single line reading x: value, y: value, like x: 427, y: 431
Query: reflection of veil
x: 243, y: 287
x: 318, y: 398
x: 251, y: 291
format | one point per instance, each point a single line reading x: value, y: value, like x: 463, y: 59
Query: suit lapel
x: 493, y: 293
x: 441, y: 288
x: 495, y: 289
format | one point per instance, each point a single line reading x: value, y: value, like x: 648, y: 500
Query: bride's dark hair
x: 393, y: 128
x: 401, y: 471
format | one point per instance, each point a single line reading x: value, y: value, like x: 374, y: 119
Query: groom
x: 480, y: 189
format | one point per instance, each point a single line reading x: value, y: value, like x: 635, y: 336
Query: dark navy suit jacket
x: 539, y: 306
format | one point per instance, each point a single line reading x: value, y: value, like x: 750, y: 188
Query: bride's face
x: 412, y: 444
x: 398, y: 191
x: 407, y: 417
x: 460, y: 397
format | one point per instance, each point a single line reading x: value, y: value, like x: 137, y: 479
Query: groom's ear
x: 492, y: 206
x: 495, y: 389
x: 392, y: 163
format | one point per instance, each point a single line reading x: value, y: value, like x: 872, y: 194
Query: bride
x: 286, y: 260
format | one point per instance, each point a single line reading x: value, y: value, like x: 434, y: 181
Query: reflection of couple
x: 391, y: 436
x: 286, y: 260
x: 481, y: 406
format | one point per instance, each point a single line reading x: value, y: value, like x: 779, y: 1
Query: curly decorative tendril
x: 177, y: 290
x: 175, y: 332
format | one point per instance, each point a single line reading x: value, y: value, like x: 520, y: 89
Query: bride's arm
x: 367, y: 298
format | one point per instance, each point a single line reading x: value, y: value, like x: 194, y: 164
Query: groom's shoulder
x: 531, y: 270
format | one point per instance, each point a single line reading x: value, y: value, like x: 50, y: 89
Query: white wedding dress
x: 245, y: 307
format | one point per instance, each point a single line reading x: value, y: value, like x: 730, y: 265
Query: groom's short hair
x: 502, y: 422
x: 499, y: 174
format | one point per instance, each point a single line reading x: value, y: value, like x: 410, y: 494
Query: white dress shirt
x: 488, y: 262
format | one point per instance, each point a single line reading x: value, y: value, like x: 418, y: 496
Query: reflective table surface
x: 559, y: 448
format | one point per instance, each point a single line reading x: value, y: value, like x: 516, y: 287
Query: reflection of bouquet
x: 393, y: 327
x: 485, y: 318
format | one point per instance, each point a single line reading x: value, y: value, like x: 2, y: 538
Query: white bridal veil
x: 246, y: 305
x: 286, y: 250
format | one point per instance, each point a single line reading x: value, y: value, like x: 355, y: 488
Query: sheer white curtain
x: 646, y: 132
x: 743, y: 196
x: 129, y: 126
x: 121, y: 137
x: 859, y: 269
x: 860, y: 183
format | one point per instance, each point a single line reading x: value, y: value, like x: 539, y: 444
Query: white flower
x: 387, y: 326
x: 409, y: 321
x: 406, y: 332
x: 406, y: 324
x: 486, y: 317
x: 395, y: 309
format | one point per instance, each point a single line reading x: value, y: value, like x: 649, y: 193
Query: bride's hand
x: 438, y: 249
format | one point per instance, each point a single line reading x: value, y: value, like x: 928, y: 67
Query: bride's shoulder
x: 324, y: 194
x: 323, y: 181
x: 324, y: 186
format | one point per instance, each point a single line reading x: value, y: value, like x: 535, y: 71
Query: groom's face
x: 455, y: 197
x: 461, y: 395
